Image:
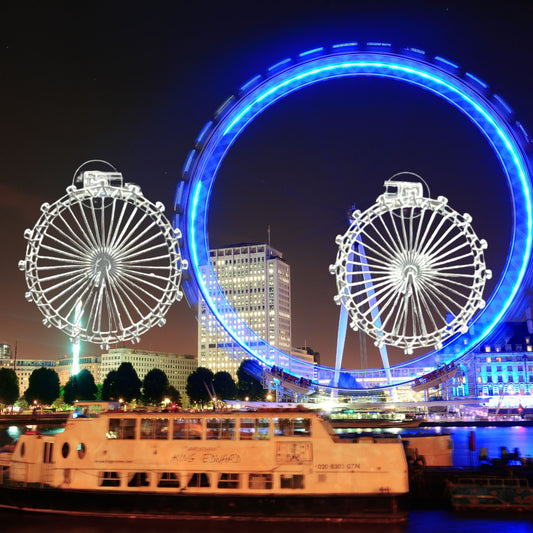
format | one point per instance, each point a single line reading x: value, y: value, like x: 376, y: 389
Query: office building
x: 256, y: 281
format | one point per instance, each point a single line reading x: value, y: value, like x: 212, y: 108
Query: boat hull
x: 379, y: 508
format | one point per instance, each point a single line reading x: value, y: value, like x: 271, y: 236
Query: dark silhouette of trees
x: 9, y: 386
x: 43, y: 386
x: 108, y: 386
x: 248, y: 386
x: 199, y: 385
x: 155, y: 385
x: 122, y: 384
x: 174, y: 395
x: 80, y: 387
x: 225, y: 387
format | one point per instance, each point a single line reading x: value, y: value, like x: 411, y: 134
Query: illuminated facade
x: 256, y: 282
x: 503, y: 366
x: 176, y: 367
x: 91, y: 363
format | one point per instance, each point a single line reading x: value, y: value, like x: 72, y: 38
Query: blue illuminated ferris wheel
x: 488, y: 111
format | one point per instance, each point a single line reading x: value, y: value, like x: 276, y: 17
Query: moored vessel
x: 275, y: 463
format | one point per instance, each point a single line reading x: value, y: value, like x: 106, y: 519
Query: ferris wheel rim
x: 426, y: 286
x: 70, y: 258
x: 488, y: 111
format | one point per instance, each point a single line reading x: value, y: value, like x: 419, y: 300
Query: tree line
x: 203, y: 387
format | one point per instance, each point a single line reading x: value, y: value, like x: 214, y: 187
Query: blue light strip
x: 313, y: 51
x: 280, y: 64
x: 447, y: 62
x: 431, y: 78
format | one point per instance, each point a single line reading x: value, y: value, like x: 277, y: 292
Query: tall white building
x: 256, y: 281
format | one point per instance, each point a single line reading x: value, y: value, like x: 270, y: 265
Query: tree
x: 80, y: 387
x: 124, y: 384
x: 174, y: 395
x: 248, y: 386
x: 225, y: 387
x: 155, y: 384
x: 108, y: 386
x: 9, y: 386
x: 43, y: 386
x: 198, y: 383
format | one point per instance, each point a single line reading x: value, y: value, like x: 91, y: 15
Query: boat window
x: 198, y: 479
x: 109, y: 479
x: 168, y: 479
x: 254, y: 429
x: 289, y: 427
x: 120, y: 428
x: 147, y: 428
x: 65, y: 450
x: 82, y: 450
x: 138, y: 479
x: 115, y: 428
x: 48, y: 448
x: 302, y: 427
x: 220, y: 429
x: 161, y: 428
x: 294, y: 481
x: 187, y: 428
x: 128, y: 428
x: 260, y: 481
x: 229, y: 481
x: 22, y: 449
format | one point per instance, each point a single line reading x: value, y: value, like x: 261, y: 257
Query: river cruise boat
x: 272, y: 463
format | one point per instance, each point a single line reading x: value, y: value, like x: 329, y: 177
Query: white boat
x: 274, y: 463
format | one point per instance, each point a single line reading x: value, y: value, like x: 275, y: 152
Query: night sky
x: 133, y: 83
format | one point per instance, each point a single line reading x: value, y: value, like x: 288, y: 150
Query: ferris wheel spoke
x: 121, y: 293
x: 383, y: 243
x: 420, y: 311
x: 146, y: 283
x: 69, y: 294
x: 84, y: 232
x: 126, y: 251
x: 69, y: 282
x: 141, y: 275
x: 135, y: 292
x: 366, y: 287
x: 74, y: 257
x: 113, y: 232
x: 420, y: 243
x: 61, y: 275
x: 440, y: 233
x: 458, y: 261
x: 402, y: 245
x: 374, y: 298
x: 88, y: 227
x: 419, y: 227
x: 71, y: 236
x: 427, y: 304
x: 390, y: 242
x: 96, y: 230
x: 76, y: 251
x: 383, y: 315
x: 446, y: 248
x: 134, y: 236
x: 147, y: 268
x: 450, y: 283
x: 383, y: 258
x: 444, y: 297
x: 117, y: 240
x: 438, y: 264
x: 430, y: 298
x: 373, y: 268
x: 145, y: 251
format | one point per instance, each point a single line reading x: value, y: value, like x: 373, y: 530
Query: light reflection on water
x: 419, y: 521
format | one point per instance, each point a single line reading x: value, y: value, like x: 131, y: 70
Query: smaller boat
x: 491, y: 493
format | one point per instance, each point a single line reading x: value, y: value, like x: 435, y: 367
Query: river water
x: 432, y: 521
